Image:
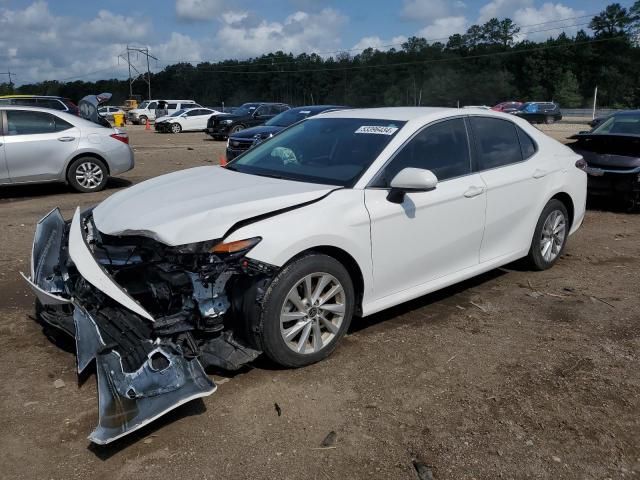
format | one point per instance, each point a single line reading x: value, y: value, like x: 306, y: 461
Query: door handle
x: 473, y: 191
x: 66, y: 139
x: 539, y: 173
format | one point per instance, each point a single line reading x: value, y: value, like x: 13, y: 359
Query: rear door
x: 4, y: 171
x: 516, y: 176
x: 37, y: 145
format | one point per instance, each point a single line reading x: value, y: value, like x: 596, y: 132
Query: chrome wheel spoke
x: 317, y: 337
x: 333, y: 308
x: 292, y: 332
x: 335, y: 290
x: 304, y: 337
x: 322, y: 284
x: 329, y: 325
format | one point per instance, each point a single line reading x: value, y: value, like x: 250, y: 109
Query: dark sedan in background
x: 612, y: 153
x: 539, y: 112
x: 248, y: 115
x: 243, y: 140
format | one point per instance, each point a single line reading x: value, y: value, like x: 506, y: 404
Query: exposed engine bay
x: 189, y: 309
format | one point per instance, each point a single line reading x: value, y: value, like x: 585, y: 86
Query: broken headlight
x: 219, y: 247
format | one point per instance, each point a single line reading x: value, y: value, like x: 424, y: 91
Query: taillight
x: 581, y: 164
x: 123, y: 137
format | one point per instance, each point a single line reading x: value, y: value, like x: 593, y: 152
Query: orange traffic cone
x: 147, y: 125
x: 222, y: 160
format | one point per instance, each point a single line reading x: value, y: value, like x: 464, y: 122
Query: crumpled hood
x: 198, y: 204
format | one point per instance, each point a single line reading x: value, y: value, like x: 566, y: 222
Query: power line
x: 8, y: 72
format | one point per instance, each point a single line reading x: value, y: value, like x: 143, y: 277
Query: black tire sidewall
x: 71, y: 175
x: 535, y: 257
x: 270, y: 338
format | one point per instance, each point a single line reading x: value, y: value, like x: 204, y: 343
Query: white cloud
x: 199, y: 10
x: 378, y: 43
x: 38, y: 45
x: 442, y: 28
x: 242, y: 35
x: 501, y: 9
x: 430, y: 10
x: 552, y: 13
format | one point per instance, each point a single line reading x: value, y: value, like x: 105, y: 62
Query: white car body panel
x: 93, y: 272
x: 198, y: 204
x: 466, y: 226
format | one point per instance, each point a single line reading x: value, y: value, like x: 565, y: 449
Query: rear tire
x: 549, y: 120
x: 306, y: 310
x: 550, y: 236
x: 87, y: 174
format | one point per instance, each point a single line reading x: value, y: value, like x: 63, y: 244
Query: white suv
x: 147, y: 109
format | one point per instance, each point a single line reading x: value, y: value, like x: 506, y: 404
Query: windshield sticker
x: 376, y: 130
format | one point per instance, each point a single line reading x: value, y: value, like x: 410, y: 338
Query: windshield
x: 331, y: 151
x: 245, y: 109
x: 144, y: 104
x: 288, y: 117
x: 620, y: 125
x: 177, y: 113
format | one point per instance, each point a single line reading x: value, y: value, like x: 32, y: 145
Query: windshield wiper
x: 270, y: 175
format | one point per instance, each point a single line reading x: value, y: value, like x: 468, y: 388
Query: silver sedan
x: 43, y: 145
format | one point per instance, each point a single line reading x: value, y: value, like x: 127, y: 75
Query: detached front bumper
x: 141, y: 375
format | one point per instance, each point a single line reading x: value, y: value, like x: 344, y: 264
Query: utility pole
x: 595, y: 99
x: 147, y: 78
x: 10, y: 81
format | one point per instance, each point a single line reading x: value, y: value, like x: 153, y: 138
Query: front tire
x: 236, y: 129
x: 550, y: 236
x: 307, y: 309
x: 87, y: 174
x: 176, y: 128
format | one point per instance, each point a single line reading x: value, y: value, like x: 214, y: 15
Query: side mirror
x: 411, y: 180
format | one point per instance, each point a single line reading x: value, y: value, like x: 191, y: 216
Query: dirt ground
x: 515, y: 374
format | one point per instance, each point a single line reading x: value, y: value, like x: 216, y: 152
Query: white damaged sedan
x: 341, y: 215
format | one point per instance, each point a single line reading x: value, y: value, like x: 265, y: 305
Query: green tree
x: 612, y: 21
x: 567, y: 93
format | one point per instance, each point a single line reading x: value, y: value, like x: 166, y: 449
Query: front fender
x: 339, y: 220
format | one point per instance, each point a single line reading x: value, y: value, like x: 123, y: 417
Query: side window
x: 51, y: 103
x: 194, y: 113
x: 260, y: 111
x: 441, y: 148
x: 172, y: 106
x: 527, y: 145
x: 61, y: 124
x: 152, y: 105
x: 496, y: 142
x: 25, y: 102
x: 24, y: 122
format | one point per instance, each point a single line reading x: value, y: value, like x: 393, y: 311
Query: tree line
x: 485, y: 65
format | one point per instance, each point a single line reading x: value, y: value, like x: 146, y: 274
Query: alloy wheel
x: 89, y: 175
x: 312, y: 313
x: 553, y: 235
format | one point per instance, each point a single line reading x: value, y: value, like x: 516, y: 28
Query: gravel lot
x: 513, y: 375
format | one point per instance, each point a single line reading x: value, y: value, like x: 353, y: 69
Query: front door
x: 431, y: 234
x: 37, y: 145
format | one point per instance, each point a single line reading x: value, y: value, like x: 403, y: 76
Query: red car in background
x: 507, y: 107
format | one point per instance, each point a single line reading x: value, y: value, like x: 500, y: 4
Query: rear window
x: 496, y: 142
x: 527, y: 145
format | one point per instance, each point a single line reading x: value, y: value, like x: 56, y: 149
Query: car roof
x: 627, y: 112
x: 392, y: 113
x: 32, y: 96
x: 73, y: 119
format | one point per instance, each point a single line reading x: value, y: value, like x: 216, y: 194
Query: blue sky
x: 79, y: 39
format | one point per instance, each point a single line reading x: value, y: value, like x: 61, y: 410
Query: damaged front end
x: 152, y: 316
